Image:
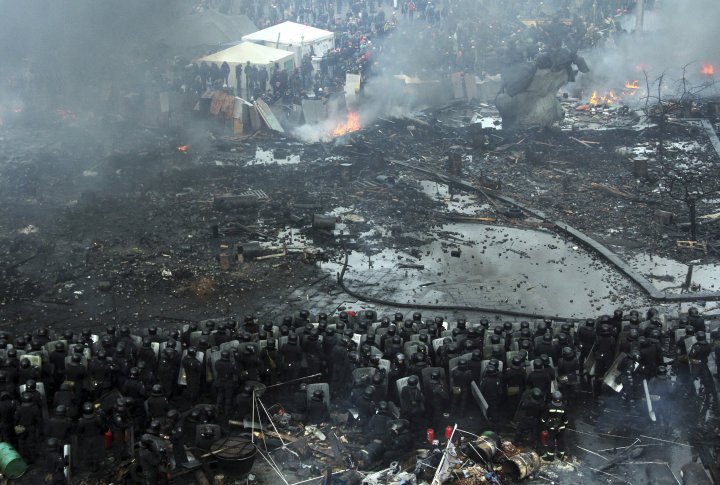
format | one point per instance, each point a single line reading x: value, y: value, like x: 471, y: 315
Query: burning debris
x: 348, y: 126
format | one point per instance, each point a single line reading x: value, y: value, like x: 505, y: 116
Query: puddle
x: 497, y: 267
x: 670, y: 276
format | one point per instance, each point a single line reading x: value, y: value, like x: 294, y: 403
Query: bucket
x: 482, y: 450
x: 234, y: 454
x: 522, y: 465
x: 11, y: 463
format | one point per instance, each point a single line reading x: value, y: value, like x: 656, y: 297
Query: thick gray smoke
x: 677, y: 33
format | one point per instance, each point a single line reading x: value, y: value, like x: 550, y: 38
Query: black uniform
x: 555, y: 420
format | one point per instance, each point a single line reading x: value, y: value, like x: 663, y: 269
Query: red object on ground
x: 430, y: 435
x: 108, y: 439
x: 448, y: 431
x: 545, y: 438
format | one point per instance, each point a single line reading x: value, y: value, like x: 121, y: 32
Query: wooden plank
x: 268, y: 117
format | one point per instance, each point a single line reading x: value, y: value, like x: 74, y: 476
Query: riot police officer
x: 555, y: 421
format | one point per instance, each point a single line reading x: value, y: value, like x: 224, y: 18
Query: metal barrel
x: 12, y: 464
x: 522, y: 465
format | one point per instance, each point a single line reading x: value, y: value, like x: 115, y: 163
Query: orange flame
x: 605, y: 99
x: 632, y: 85
x: 351, y: 124
x: 707, y: 70
x: 183, y: 148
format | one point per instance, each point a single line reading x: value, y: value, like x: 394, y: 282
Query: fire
x: 351, y: 124
x: 183, y: 148
x: 632, y: 85
x: 707, y: 70
x: 605, y: 99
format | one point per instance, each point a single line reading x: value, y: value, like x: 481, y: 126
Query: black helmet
x: 537, y: 364
x: 76, y: 358
x: 225, y: 355
x: 693, y: 312
x: 368, y: 392
x: 59, y: 346
x: 12, y: 353
x: 536, y: 393
x: 192, y: 351
x: 412, y: 381
x: 417, y: 316
x: 26, y: 397
x: 508, y: 326
x: 318, y: 395
x: 516, y: 361
x: 53, y: 444
x: 476, y: 355
x: 568, y: 353
x: 689, y: 330
x: 408, y: 323
x: 462, y: 364
x: 134, y: 373
x: 382, y: 406
x: 545, y: 359
x: 24, y: 363
x: 633, y: 334
x: 618, y: 314
x: 590, y: 322
x: 491, y: 370
x: 635, y: 355
x: 547, y: 338
x: 435, y: 374
x: 662, y: 370
x: 87, y: 408
x: 557, y: 397
x: 700, y: 336
x: 156, y: 390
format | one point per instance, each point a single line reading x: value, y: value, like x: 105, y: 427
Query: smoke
x: 676, y: 35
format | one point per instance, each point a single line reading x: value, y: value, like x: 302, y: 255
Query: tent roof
x: 249, y: 51
x: 290, y: 33
x: 206, y: 28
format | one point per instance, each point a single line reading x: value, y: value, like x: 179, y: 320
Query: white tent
x: 257, y: 55
x: 296, y: 38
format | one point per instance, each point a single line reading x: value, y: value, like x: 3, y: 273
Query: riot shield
x: 479, y: 398
x: 648, y: 400
x: 611, y: 378
x: 437, y: 342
